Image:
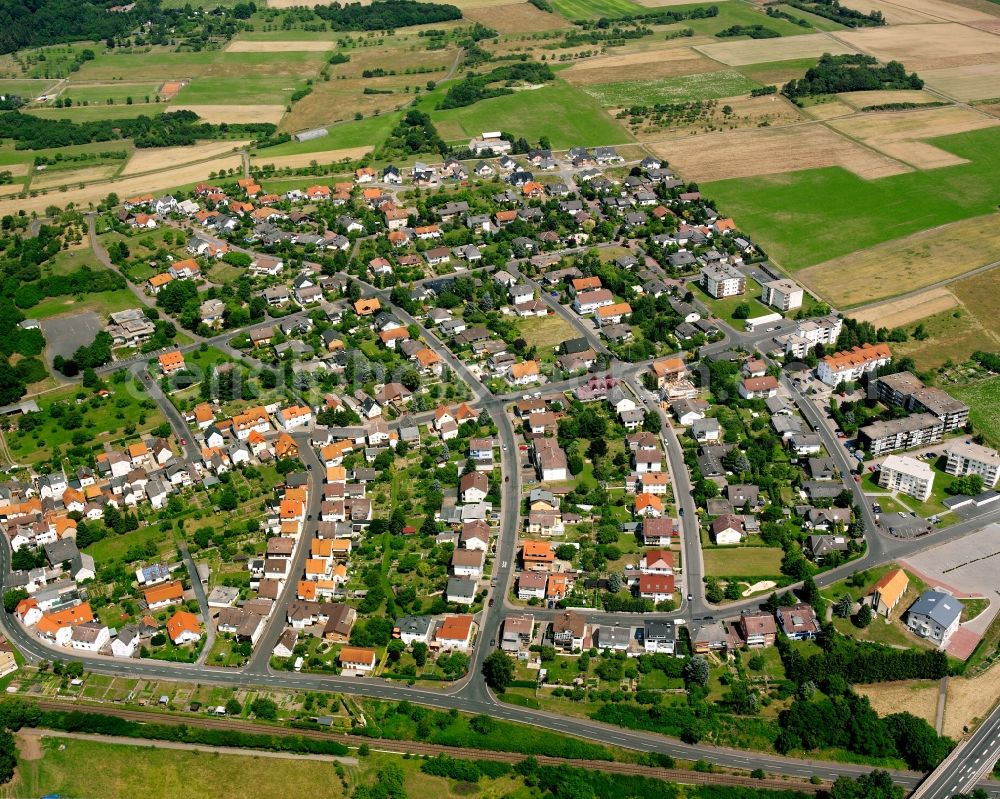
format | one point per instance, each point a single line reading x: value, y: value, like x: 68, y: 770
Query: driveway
x: 64, y: 334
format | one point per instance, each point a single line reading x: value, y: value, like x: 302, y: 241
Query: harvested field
x: 17, y: 170
x: 515, y: 18
x: 907, y: 264
x: 294, y: 3
x: 906, y: 311
x: 166, y: 157
x: 919, y: 45
x: 217, y: 114
x: 952, y: 335
x: 650, y: 64
x: 757, y: 51
x: 859, y: 100
x: 970, y: 82
x: 898, y: 133
x: 9, y: 189
x: 778, y: 72
x: 894, y: 14
x: 934, y: 9
x: 919, y: 697
x: 300, y: 45
x: 71, y: 177
x: 305, y: 159
x: 157, y: 182
x: 740, y: 154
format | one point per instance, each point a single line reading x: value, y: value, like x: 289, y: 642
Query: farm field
x: 679, y: 89
x: 815, y: 215
x: 756, y: 51
x: 652, y: 64
x: 777, y: 72
x: 514, y: 18
x: 859, y: 100
x: 150, y: 160
x: 919, y: 697
x: 217, y: 114
x: 92, y: 113
x: 69, y: 177
x: 742, y: 561
x: 731, y: 156
x: 347, y: 135
x: 101, y: 93
x: 322, y: 157
x: 27, y: 88
x: 970, y: 82
x: 978, y: 293
x: 952, y: 335
x: 906, y: 264
x: 923, y: 46
x: 280, y: 46
x: 905, y: 311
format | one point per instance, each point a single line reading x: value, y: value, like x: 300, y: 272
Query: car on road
x: 857, y: 478
x: 183, y: 441
x: 493, y: 642
x: 492, y: 601
x: 680, y: 511
x: 309, y: 466
x: 504, y: 447
x: 770, y: 329
x: 507, y: 479
x: 690, y: 597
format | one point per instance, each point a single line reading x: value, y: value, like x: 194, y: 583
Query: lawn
x: 724, y: 308
x: 679, y: 89
x: 580, y: 120
x: 933, y: 505
x: 588, y: 9
x: 115, y: 546
x: 983, y: 399
x: 101, y: 302
x: 743, y: 561
x: 546, y: 333
x: 807, y: 217
x: 127, y: 772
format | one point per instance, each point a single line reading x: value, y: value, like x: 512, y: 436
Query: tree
x: 696, y: 671
x: 264, y: 709
x: 844, y: 606
x: 498, y: 669
x: 877, y: 785
x: 8, y: 758
x: 12, y: 597
x: 419, y: 653
x: 864, y: 617
x: 395, y: 649
x: 233, y: 707
x: 228, y: 500
x: 742, y: 311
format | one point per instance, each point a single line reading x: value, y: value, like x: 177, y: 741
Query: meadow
x: 580, y: 121
x: 590, y: 9
x: 742, y: 561
x: 807, y: 217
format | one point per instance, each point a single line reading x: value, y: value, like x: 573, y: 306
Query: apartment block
x: 966, y: 459
x: 912, y: 431
x: 912, y: 477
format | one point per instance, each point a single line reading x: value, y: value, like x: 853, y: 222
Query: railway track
x: 685, y: 776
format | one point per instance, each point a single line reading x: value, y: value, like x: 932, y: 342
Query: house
x: 531, y: 585
x: 728, y: 529
x: 186, y: 269
x: 935, y: 616
x: 706, y: 430
x: 537, y: 555
x: 757, y: 628
x: 171, y: 362
x: 887, y: 592
x: 588, y: 302
x: 657, y: 561
x: 410, y: 629
x: 524, y: 373
x: 285, y: 647
x: 758, y: 387
x: 518, y: 632
x: 659, y: 637
x: 157, y: 282
x: 161, y: 596
x: 657, y: 532
x: 468, y: 563
x: 461, y: 591
x: 183, y: 628
x: 125, y: 643
x: 91, y: 636
x: 657, y: 587
x: 648, y: 505
x: 568, y: 631
x: 454, y: 632
x: 473, y: 487
x: 356, y: 660
x: 799, y: 622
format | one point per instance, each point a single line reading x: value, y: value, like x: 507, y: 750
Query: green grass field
x: 371, y: 130
x: 588, y: 9
x: 579, y: 120
x: 733, y: 12
x: 807, y: 217
x: 245, y: 90
x: 680, y: 89
x: 92, y: 113
x: 983, y: 399
x: 27, y: 88
x: 743, y: 561
x: 119, y: 92
x: 777, y: 72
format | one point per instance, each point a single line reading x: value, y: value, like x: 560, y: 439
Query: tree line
x: 170, y: 129
x: 385, y: 14
x: 473, y: 88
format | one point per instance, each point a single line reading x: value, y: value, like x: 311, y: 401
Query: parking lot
x: 64, y: 334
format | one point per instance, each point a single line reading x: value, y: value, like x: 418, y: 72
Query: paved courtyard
x: 64, y: 334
